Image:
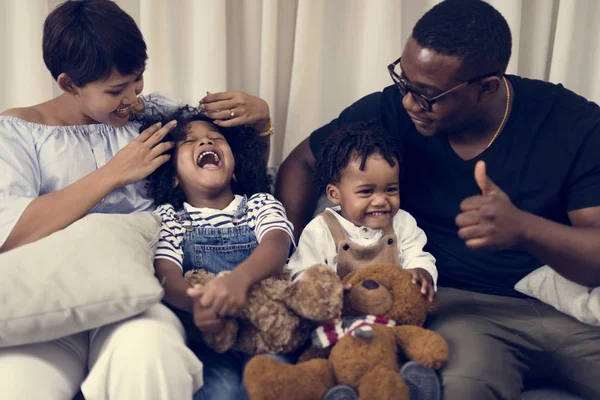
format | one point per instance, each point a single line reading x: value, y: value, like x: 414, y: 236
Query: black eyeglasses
x: 425, y: 102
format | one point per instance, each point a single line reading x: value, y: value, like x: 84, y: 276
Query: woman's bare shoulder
x: 29, y: 114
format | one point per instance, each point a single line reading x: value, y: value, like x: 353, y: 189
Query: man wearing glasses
x: 503, y: 175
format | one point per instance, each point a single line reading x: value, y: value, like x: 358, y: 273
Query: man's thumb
x: 483, y: 181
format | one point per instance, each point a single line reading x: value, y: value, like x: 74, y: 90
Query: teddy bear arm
x: 422, y: 345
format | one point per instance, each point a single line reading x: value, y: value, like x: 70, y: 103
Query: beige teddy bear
x: 279, y: 315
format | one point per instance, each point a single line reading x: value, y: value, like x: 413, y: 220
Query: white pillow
x: 580, y: 302
x: 96, y: 271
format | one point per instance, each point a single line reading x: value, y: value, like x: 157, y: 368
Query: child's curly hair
x: 247, y: 148
x: 349, y: 142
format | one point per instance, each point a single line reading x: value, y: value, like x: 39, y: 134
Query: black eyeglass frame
x: 425, y: 102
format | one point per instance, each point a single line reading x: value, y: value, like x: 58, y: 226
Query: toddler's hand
x: 225, y: 294
x: 423, y: 278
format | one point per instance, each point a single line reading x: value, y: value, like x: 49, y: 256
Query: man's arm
x: 573, y: 251
x: 491, y: 221
x: 296, y: 187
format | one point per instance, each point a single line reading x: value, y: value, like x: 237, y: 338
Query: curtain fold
x: 308, y: 58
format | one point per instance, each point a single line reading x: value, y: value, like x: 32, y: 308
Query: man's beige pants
x: 497, y: 342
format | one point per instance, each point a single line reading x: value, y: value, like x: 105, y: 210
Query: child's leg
x: 222, y: 375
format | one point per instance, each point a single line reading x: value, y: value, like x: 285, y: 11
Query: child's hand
x: 423, y: 278
x: 205, y: 319
x: 224, y: 294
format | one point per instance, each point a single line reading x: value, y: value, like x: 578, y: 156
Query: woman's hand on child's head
x: 142, y: 156
x: 423, y: 278
x: 235, y: 108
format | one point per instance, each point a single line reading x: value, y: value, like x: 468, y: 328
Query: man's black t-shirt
x: 547, y: 159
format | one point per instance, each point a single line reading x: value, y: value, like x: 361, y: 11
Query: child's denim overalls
x: 215, y: 250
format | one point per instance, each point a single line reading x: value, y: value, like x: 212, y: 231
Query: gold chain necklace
x: 505, y: 113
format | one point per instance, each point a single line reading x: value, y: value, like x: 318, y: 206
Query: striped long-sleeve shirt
x: 264, y: 213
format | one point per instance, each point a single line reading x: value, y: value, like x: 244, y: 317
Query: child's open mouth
x: 209, y: 160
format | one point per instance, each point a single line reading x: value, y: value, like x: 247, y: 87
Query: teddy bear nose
x: 370, y: 285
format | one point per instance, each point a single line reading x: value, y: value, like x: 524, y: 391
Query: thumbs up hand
x: 489, y: 220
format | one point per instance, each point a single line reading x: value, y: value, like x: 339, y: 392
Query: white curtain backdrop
x: 308, y: 58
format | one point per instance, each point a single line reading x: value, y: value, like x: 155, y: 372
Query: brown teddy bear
x: 279, y: 315
x: 367, y: 357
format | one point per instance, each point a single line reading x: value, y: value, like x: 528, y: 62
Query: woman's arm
x: 57, y: 210
x: 54, y: 211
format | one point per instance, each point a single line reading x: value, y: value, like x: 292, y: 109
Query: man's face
x: 432, y: 74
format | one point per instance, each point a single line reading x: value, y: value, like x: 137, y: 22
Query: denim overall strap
x: 217, y: 249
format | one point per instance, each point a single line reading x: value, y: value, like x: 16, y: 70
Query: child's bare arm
x: 179, y: 294
x: 267, y: 259
x: 170, y: 276
x: 227, y: 294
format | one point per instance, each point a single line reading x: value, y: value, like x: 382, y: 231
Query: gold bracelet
x: 268, y: 132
